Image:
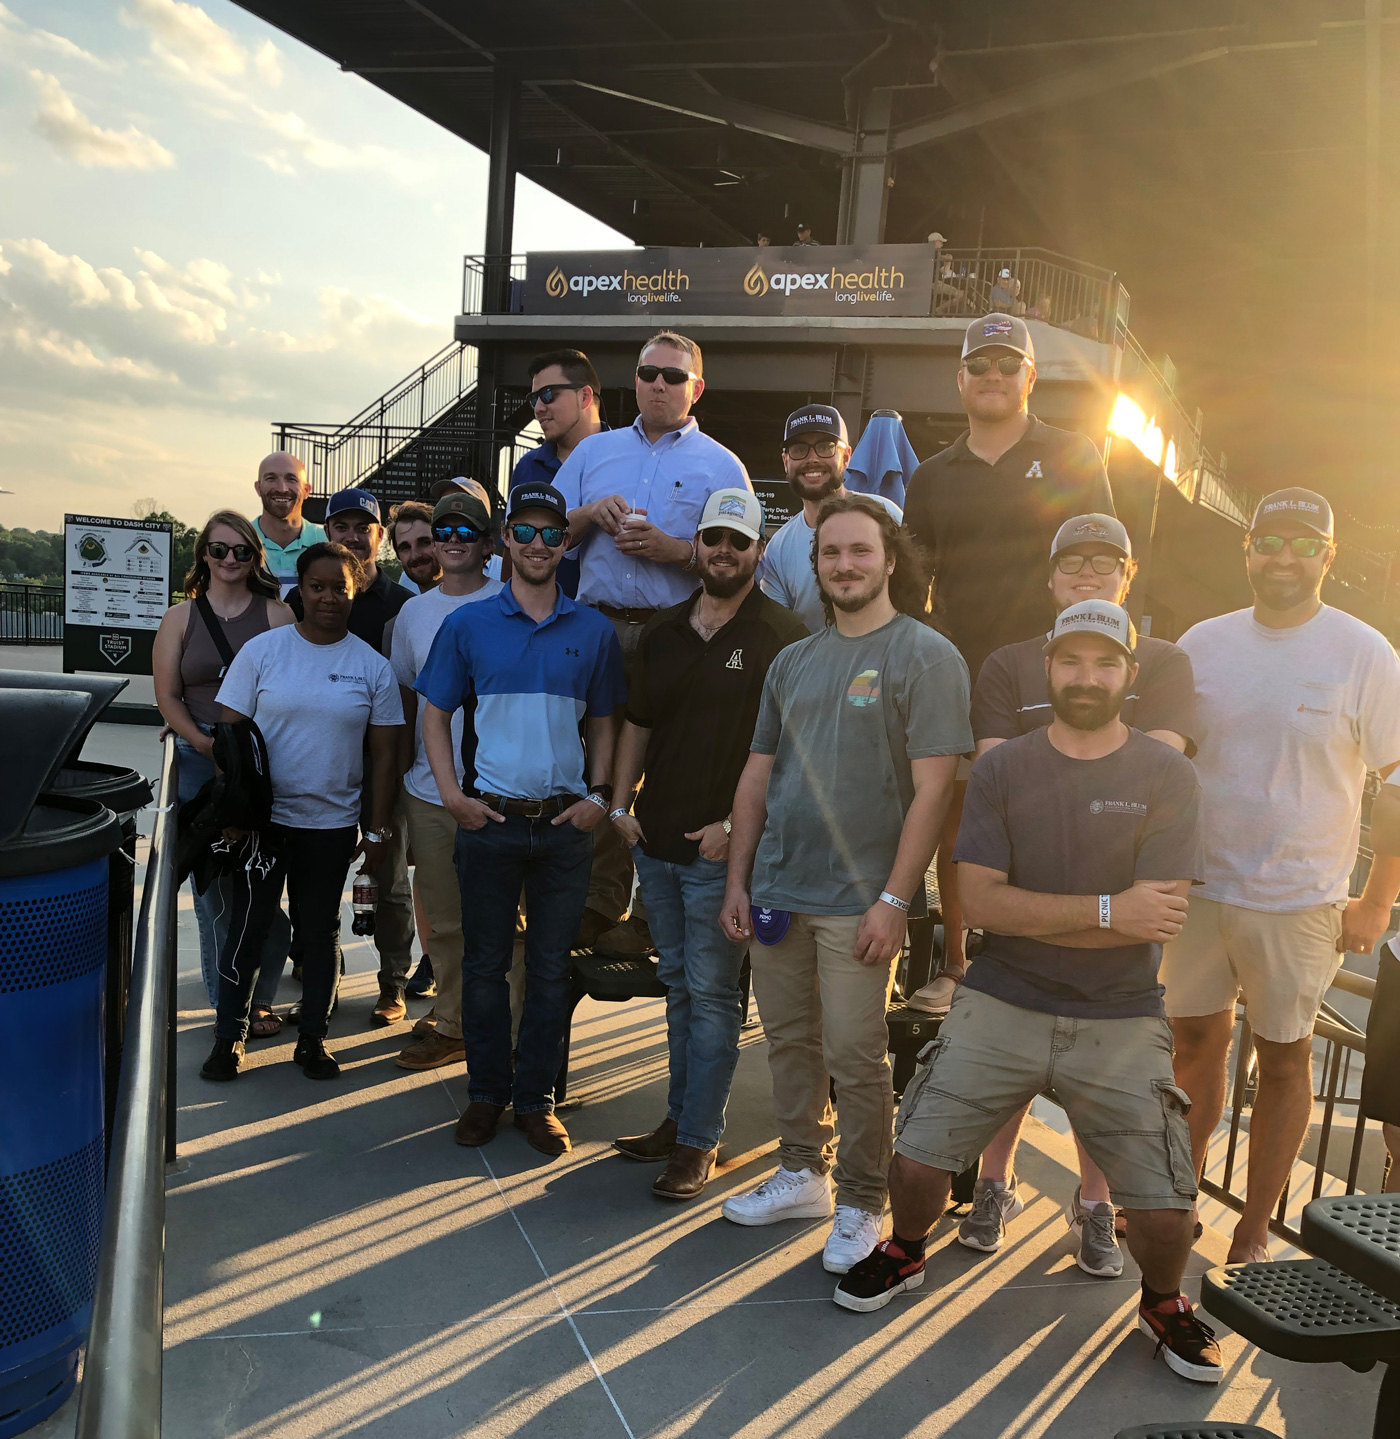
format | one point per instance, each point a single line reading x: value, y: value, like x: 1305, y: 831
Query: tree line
x: 36, y: 556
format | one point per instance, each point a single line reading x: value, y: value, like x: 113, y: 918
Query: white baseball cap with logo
x: 1095, y: 617
x: 735, y: 509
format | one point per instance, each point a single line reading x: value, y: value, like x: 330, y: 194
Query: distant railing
x: 340, y: 456
x: 31, y: 614
x: 475, y: 271
x: 1030, y: 282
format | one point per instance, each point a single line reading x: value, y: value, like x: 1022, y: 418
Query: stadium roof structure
x: 1234, y: 164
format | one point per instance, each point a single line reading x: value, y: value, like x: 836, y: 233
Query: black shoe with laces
x: 223, y: 1061
x: 886, y: 1271
x: 314, y: 1061
x: 1186, y: 1343
x: 422, y: 984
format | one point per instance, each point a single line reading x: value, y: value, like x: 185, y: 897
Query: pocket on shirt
x: 1315, y: 708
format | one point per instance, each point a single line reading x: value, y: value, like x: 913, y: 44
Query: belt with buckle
x: 529, y: 808
x: 631, y: 616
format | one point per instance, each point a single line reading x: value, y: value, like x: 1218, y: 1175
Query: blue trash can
x: 54, y: 854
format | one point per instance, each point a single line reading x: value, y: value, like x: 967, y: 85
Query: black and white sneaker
x: 1186, y: 1343
x: 886, y: 1271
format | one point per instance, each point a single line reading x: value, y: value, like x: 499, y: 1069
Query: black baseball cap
x: 537, y: 497
x: 1306, y: 507
x: 998, y: 332
x: 815, y: 419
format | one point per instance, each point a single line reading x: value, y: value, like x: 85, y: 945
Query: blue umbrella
x: 884, y: 461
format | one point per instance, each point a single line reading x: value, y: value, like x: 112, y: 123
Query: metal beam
x: 866, y: 195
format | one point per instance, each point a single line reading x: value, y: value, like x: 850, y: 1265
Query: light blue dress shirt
x: 670, y: 480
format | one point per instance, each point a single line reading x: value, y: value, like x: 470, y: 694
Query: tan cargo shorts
x: 1113, y: 1078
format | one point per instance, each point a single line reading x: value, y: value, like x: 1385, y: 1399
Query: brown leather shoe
x: 649, y: 1148
x: 544, y: 1132
x: 390, y: 1008
x: 685, y: 1176
x: 431, y: 1051
x: 477, y: 1126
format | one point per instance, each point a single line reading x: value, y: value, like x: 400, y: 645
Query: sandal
x: 264, y: 1024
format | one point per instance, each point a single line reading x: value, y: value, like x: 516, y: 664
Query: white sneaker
x: 855, y: 1234
x: 785, y: 1194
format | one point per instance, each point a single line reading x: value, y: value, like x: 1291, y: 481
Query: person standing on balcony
x: 282, y: 487
x: 987, y: 509
x: 566, y: 401
x: 635, y: 497
x: 1295, y: 701
x: 691, y: 707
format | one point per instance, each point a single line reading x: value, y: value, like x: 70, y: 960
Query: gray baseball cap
x: 1306, y: 507
x: 1092, y: 530
x: 998, y: 332
x: 1095, y: 617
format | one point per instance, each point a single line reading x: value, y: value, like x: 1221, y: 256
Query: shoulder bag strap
x: 216, y: 632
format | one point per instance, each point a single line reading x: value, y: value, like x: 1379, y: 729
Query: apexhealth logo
x: 662, y: 288
x: 850, y: 287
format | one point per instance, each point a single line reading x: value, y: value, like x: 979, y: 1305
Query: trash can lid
x: 100, y: 690
x: 38, y: 728
x: 60, y: 833
x: 117, y: 786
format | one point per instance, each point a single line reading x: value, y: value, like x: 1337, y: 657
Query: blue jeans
x: 213, y: 908
x: 494, y: 863
x: 700, y: 969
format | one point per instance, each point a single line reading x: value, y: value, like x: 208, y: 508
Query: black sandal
x: 264, y: 1024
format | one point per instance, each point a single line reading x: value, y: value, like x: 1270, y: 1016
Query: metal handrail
x: 121, y: 1391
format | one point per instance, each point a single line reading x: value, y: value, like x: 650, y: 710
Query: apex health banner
x: 765, y: 280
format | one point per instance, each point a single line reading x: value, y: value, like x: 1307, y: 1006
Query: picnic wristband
x: 894, y: 899
x: 1105, y: 911
x: 617, y: 813
x: 598, y: 800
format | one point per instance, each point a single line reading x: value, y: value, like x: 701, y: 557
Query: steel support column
x: 500, y: 226
x: 865, y: 189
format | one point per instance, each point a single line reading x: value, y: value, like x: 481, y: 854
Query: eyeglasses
x: 1304, y: 547
x: 552, y: 535
x: 218, y: 550
x: 547, y: 394
x: 715, y: 536
x: 465, y: 533
x: 980, y: 364
x: 647, y: 374
x: 1071, y: 564
x: 800, y: 449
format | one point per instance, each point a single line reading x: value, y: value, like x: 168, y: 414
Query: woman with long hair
x: 230, y: 597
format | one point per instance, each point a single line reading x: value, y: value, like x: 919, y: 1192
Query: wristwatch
x: 606, y: 790
x: 728, y: 828
x: 371, y: 836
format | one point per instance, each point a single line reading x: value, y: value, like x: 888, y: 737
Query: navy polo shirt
x: 523, y: 688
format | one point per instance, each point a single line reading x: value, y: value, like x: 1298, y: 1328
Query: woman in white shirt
x: 314, y: 691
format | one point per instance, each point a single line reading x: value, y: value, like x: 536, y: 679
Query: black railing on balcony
x: 30, y: 614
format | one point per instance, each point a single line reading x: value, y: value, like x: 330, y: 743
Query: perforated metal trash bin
x: 54, y: 855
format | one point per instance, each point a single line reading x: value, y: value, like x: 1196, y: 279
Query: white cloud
x: 187, y: 38
x: 269, y: 63
x: 69, y: 131
x: 16, y: 35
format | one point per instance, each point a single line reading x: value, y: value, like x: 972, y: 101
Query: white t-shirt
x: 493, y: 572
x: 786, y: 574
x: 1287, y: 724
x: 313, y: 704
x: 415, y: 628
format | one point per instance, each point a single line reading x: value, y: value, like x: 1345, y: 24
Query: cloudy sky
x: 205, y: 227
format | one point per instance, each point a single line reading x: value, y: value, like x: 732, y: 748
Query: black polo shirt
x: 374, y: 607
x: 989, y: 529
x: 1012, y: 696
x: 700, y: 700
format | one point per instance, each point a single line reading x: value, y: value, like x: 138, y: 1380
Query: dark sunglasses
x: 465, y: 533
x: 546, y: 394
x: 1304, y: 547
x: 647, y: 374
x: 980, y: 364
x: 1101, y: 564
x: 552, y: 535
x: 713, y: 537
x: 218, y: 550
x: 800, y: 449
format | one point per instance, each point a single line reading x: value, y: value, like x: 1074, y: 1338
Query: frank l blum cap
x: 1305, y: 507
x: 538, y: 497
x: 815, y: 419
x: 1095, y: 617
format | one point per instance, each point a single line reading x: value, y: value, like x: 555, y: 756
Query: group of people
x: 1132, y: 835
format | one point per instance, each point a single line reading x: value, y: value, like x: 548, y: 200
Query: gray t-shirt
x: 1057, y: 825
x: 843, y: 717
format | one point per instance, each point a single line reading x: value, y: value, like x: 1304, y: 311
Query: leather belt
x: 631, y: 616
x: 530, y: 808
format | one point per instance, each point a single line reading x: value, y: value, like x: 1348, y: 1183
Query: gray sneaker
x: 994, y: 1205
x: 1099, y: 1253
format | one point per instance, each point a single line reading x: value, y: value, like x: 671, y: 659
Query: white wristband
x: 598, y: 800
x: 1105, y: 911
x: 617, y: 813
x: 894, y: 899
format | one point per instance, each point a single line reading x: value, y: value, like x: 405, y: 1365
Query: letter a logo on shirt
x: 1035, y: 473
x: 736, y: 661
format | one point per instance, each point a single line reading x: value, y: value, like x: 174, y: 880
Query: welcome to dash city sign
x: 792, y: 280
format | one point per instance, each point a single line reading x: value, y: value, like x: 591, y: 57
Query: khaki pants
x: 824, y: 1015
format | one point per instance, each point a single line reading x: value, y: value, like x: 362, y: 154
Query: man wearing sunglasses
x: 461, y: 540
x: 526, y: 667
x: 282, y: 487
x: 1295, y: 701
x: 691, y: 707
x: 815, y: 453
x: 635, y: 497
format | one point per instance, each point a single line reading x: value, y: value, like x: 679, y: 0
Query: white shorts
x: 1281, y: 963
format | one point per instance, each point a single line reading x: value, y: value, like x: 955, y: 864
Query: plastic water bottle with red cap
x: 364, y: 899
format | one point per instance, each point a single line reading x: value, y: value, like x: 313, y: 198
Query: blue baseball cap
x: 537, y: 497
x: 353, y: 500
